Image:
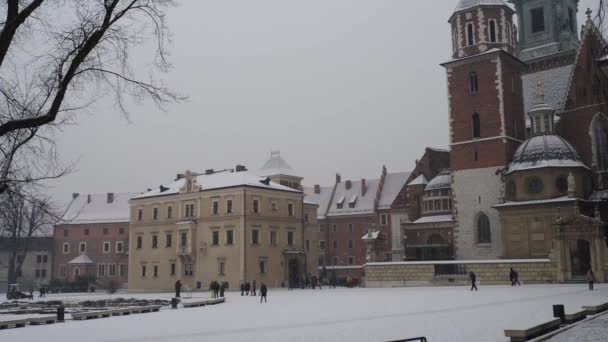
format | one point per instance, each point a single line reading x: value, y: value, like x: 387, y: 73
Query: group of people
x: 250, y: 289
x: 217, y: 289
x: 513, y: 278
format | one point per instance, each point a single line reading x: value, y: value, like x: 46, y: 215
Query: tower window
x: 483, y: 229
x: 470, y: 36
x: 492, y: 31
x: 473, y: 83
x: 476, y: 125
x: 538, y: 19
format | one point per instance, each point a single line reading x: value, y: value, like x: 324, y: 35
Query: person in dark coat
x: 247, y: 288
x: 512, y: 276
x: 253, y: 288
x: 591, y: 279
x: 263, y: 293
x: 222, y: 289
x: 178, y: 288
x: 516, y: 278
x: 473, y: 278
x: 242, y: 289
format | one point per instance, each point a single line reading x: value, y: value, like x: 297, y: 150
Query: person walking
x: 512, y: 276
x: 247, y: 288
x: 473, y: 278
x: 590, y: 279
x: 222, y: 288
x: 242, y: 289
x: 516, y: 278
x: 263, y: 293
x: 253, y: 288
x: 178, y: 288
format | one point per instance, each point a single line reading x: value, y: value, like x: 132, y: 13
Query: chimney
x: 209, y: 171
x: 110, y: 197
x: 348, y: 184
x: 241, y: 168
x: 179, y: 176
x: 88, y: 198
x: 75, y: 195
x: 317, y: 189
x: 338, y: 178
x: 363, y: 187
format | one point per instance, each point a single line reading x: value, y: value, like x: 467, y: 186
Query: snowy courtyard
x: 439, y: 313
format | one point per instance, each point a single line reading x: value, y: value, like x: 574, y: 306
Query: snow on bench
x: 575, y: 317
x: 43, y: 320
x: 91, y: 314
x: 191, y: 304
x: 22, y: 322
x: 596, y: 309
x: 115, y: 312
x: 530, y: 333
x: 14, y: 323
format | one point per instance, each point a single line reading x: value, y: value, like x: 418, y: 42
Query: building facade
x: 228, y: 226
x: 36, y: 265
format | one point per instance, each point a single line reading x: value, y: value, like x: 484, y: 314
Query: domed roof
x: 442, y: 181
x: 548, y: 150
x: 276, y: 165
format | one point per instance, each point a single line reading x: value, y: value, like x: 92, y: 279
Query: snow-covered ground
x: 439, y: 313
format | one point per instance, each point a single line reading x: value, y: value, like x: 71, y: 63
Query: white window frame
x: 80, y: 244
x: 66, y: 250
x: 122, y: 247
x: 109, y: 244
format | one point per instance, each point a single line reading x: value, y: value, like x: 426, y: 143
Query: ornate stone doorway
x: 580, y: 258
x: 294, y: 272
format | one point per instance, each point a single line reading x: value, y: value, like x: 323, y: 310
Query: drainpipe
x: 244, y: 237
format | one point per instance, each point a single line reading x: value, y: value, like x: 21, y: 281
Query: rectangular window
x: 184, y: 239
x: 306, y: 218
x: 335, y: 260
x: 290, y: 238
x: 350, y: 228
x: 538, y: 19
x: 112, y: 270
x: 229, y: 206
x: 262, y: 266
x: 444, y: 204
x: 492, y: 31
x: 307, y: 245
x: 45, y: 259
x: 106, y: 247
x: 66, y: 248
x: 256, y: 206
x: 216, y: 207
x: 122, y: 268
x: 168, y: 240
x: 437, y: 205
x: 351, y: 260
x: 383, y: 219
x: 473, y: 87
x: 169, y: 212
x: 154, y: 241
x: 350, y: 244
x: 82, y: 247
x: 172, y: 268
x: 37, y: 273
x: 155, y: 271
x: 140, y: 214
x: 155, y: 213
x: 290, y: 209
x: 101, y: 270
x: 189, y: 210
x: 335, y: 244
x: 321, y: 244
x: 273, y: 238
x: 321, y: 261
x: 63, y: 270
x: 255, y: 236
x: 229, y: 237
x: 216, y: 238
x: 274, y: 206
x: 143, y: 271
x: 188, y: 269
x: 86, y: 231
x: 121, y: 231
x: 221, y: 268
x: 470, y: 34
x: 39, y: 259
x: 334, y: 228
x: 139, y: 242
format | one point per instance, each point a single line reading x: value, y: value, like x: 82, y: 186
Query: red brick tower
x: 486, y: 119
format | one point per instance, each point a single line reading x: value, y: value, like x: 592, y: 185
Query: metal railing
x: 420, y: 339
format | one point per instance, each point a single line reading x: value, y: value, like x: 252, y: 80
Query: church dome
x: 442, y: 181
x: 548, y: 150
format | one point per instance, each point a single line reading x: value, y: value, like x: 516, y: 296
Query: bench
x: 203, y: 302
x: 530, y: 333
x: 575, y: 317
x: 91, y: 314
x: 596, y: 309
x: 43, y: 320
x: 15, y: 323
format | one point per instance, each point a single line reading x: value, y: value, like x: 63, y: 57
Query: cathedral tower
x: 486, y: 120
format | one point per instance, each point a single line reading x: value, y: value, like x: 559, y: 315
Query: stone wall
x: 489, y: 272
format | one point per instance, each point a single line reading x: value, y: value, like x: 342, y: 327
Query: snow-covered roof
x: 555, y: 86
x: 371, y: 235
x: 321, y: 199
x: 548, y: 150
x: 442, y: 181
x: 420, y: 180
x: 82, y: 259
x: 276, y: 165
x: 600, y: 195
x: 541, y: 201
x: 364, y: 204
x: 94, y: 208
x: 465, y: 5
x: 487, y: 52
x: 434, y: 219
x: 393, y: 183
x: 219, y: 180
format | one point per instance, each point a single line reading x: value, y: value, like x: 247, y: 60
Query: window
x: 121, y: 231
x: 307, y: 245
x: 39, y: 259
x: 256, y: 206
x: 105, y: 231
x: 290, y: 209
x: 221, y: 267
x: 350, y: 227
x: 273, y: 238
x: 112, y: 270
x: 483, y: 228
x: 538, y: 19
x: 45, y: 259
x: 290, y: 238
x: 274, y: 205
x: 189, y: 269
x: 169, y: 212
x: 106, y: 247
x: 511, y: 190
x: 66, y: 248
x: 215, y: 238
x: 229, y: 237
x: 321, y: 244
x: 101, y: 270
x: 143, y: 271
x: 155, y: 271
x: 76, y: 272
x: 335, y: 260
x: 383, y: 219
x: 351, y: 260
x: 155, y: 213
x: 37, y: 274
x: 470, y: 35
x: 229, y: 206
x: 63, y: 270
x: 184, y: 239
x: 350, y: 244
x: 139, y: 242
x: 216, y: 207
x: 43, y: 273
x: 255, y: 236
x: 561, y: 184
x: 535, y: 185
x: 306, y: 218
x: 122, y: 268
x: 86, y: 231
x: 262, y: 264
x: 154, y: 241
x: 168, y: 240
x: 321, y: 261
x: 473, y: 87
x: 476, y: 125
x: 82, y: 247
x: 335, y: 244
x: 189, y: 210
x: 172, y: 268
x: 140, y: 214
x: 492, y: 31
x: 444, y: 204
x: 334, y: 228
x: 437, y: 205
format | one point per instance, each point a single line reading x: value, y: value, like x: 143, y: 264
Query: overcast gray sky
x: 336, y: 85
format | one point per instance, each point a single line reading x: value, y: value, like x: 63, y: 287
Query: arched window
x: 473, y: 83
x: 599, y: 131
x: 76, y: 272
x: 476, y: 125
x: 470, y: 36
x: 483, y: 229
x: 492, y: 31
